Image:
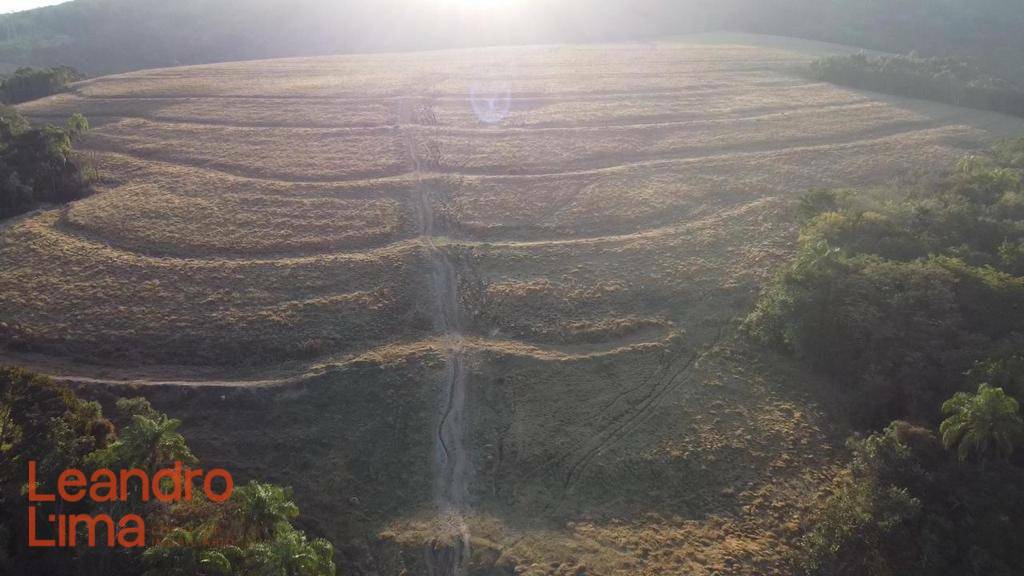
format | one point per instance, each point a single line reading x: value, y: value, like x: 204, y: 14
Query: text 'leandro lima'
x: 104, y: 486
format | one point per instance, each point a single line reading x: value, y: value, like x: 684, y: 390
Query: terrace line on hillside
x: 265, y: 224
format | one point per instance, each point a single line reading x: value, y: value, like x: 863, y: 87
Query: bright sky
x: 19, y: 5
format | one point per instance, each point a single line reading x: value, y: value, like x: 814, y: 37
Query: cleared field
x: 561, y: 238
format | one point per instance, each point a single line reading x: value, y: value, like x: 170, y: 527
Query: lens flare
x: 491, y: 101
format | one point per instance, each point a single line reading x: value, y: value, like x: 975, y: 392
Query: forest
x: 941, y: 79
x: 912, y: 299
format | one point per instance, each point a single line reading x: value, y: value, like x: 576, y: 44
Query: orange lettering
x: 71, y: 478
x: 190, y: 476
x: 103, y: 479
x: 33, y: 540
x: 143, y: 480
x: 138, y: 530
x: 174, y: 476
x: 91, y: 524
x: 229, y: 485
x: 34, y: 496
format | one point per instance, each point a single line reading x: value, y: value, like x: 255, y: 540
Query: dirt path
x: 451, y: 458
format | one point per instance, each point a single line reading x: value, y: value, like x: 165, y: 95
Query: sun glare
x: 478, y: 4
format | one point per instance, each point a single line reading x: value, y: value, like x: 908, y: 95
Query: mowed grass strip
x: 537, y: 70
x: 161, y: 222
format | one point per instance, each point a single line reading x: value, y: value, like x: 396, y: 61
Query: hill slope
x: 105, y: 36
x: 441, y: 299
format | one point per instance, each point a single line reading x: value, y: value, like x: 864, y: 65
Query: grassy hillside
x: 339, y: 253
x: 104, y: 36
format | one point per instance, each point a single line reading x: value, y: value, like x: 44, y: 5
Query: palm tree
x: 985, y: 424
x: 185, y: 552
x: 150, y: 441
x: 263, y: 507
x: 158, y: 441
x: 290, y: 553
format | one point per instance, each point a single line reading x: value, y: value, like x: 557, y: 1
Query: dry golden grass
x: 542, y: 111
x: 263, y: 217
x: 558, y: 150
x: 179, y: 210
x: 297, y: 154
x: 254, y: 112
x: 97, y: 302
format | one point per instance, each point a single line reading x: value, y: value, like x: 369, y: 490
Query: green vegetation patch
x: 941, y: 79
x: 250, y: 531
x: 31, y: 83
x: 36, y: 164
x: 897, y: 293
x: 907, y: 297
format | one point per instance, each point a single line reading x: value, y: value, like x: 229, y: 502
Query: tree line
x: 249, y: 535
x: 120, y: 35
x: 28, y: 83
x: 37, y: 165
x: 912, y: 299
x: 941, y: 79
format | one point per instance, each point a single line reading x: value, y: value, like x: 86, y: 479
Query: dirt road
x: 451, y: 458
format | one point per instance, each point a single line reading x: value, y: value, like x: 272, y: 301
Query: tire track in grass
x: 621, y: 426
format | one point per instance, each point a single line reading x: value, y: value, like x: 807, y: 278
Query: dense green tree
x: 987, y: 424
x: 941, y: 79
x: 30, y: 83
x: 151, y: 441
x: 1003, y: 370
x: 253, y: 536
x: 905, y: 508
x: 898, y: 292
x: 185, y: 552
x: 289, y: 553
x: 260, y: 508
x: 37, y: 165
x: 46, y: 423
